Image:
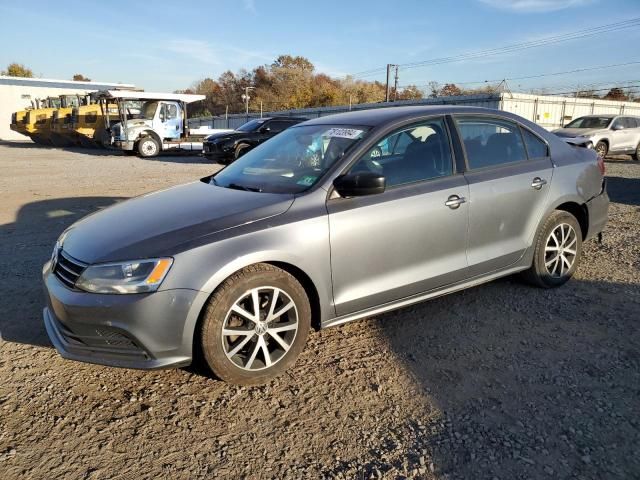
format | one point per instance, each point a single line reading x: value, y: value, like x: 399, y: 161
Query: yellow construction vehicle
x: 19, y: 122
x: 38, y: 124
x: 62, y: 132
x: 90, y: 124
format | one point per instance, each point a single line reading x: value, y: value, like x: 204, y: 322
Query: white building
x: 17, y: 93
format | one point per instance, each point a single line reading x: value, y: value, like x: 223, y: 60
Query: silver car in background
x: 607, y: 134
x: 333, y: 220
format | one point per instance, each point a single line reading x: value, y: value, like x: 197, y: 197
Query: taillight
x: 601, y: 165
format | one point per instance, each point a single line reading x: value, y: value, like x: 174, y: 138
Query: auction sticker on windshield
x: 343, y: 133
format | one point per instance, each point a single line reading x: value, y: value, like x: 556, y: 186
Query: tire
x: 148, y: 147
x: 602, y: 149
x: 242, y: 359
x: 549, y: 270
x: 636, y: 156
x: 241, y: 149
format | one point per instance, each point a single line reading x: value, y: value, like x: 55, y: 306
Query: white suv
x: 608, y: 134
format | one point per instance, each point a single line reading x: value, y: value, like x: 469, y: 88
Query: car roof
x: 302, y: 119
x: 377, y: 116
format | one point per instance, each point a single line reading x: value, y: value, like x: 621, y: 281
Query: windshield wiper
x: 236, y: 186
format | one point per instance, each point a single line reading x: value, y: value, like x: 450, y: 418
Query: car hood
x: 224, y: 136
x: 577, y: 132
x: 156, y: 224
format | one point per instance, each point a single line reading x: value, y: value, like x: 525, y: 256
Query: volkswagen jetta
x: 335, y: 219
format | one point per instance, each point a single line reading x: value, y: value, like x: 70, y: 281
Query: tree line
x: 292, y: 82
x: 289, y: 82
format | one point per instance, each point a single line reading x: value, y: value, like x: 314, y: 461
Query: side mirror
x: 618, y: 126
x: 358, y: 184
x: 264, y: 130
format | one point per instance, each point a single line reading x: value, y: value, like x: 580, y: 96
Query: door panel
x: 396, y: 244
x: 504, y: 212
x: 172, y: 123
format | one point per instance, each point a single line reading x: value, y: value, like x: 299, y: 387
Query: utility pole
x: 389, y: 67
x: 395, y: 86
x: 246, y: 98
x: 386, y: 97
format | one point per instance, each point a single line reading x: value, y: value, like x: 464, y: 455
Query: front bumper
x: 215, y: 152
x: 145, y: 331
x: 123, y: 144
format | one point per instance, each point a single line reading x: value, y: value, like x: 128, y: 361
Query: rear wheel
x: 602, y: 149
x: 557, y: 251
x: 148, y: 147
x: 255, y: 325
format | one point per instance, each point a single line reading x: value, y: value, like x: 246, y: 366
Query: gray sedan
x: 333, y: 220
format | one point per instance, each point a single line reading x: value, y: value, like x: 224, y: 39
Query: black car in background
x: 229, y: 146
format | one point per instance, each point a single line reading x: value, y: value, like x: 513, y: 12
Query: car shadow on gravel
x: 25, y: 245
x: 28, y: 145
x: 530, y: 383
x: 171, y: 157
x: 624, y: 190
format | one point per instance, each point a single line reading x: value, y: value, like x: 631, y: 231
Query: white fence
x: 548, y: 111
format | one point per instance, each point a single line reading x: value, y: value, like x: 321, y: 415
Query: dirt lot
x: 501, y: 381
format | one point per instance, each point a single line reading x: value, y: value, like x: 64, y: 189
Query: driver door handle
x: 454, y: 201
x: 538, y: 183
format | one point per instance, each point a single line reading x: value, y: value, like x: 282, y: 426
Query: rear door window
x: 490, y: 142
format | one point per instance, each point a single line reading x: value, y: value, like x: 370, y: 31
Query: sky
x: 164, y: 46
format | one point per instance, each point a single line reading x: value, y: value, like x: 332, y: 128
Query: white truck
x: 150, y: 123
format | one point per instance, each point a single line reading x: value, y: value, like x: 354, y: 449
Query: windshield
x: 292, y: 161
x: 138, y: 110
x: 590, y: 122
x: 250, y: 126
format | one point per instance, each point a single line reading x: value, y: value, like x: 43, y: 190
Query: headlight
x: 136, y: 276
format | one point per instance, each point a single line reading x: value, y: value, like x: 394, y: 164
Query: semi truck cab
x: 150, y: 123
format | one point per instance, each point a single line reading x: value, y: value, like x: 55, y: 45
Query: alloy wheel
x: 601, y: 149
x: 260, y: 328
x: 560, y: 250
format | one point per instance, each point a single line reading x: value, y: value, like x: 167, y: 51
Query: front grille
x: 101, y: 340
x: 210, y: 147
x: 114, y: 338
x: 68, y: 269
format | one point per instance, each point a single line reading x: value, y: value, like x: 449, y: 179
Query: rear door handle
x: 538, y: 183
x: 454, y: 201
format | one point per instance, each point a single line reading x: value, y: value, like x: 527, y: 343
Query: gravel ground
x: 500, y: 381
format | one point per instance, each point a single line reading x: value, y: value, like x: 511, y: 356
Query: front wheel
x: 255, y: 325
x: 241, y: 149
x: 148, y: 147
x: 602, y: 149
x: 636, y: 156
x: 557, y: 251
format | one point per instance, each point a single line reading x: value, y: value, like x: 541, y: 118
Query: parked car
x: 608, y: 134
x: 227, y: 147
x: 335, y: 219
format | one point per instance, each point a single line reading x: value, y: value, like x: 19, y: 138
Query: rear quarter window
x: 536, y: 148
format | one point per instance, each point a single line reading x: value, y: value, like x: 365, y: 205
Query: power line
x: 552, y: 40
x: 629, y: 88
x: 540, y: 75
